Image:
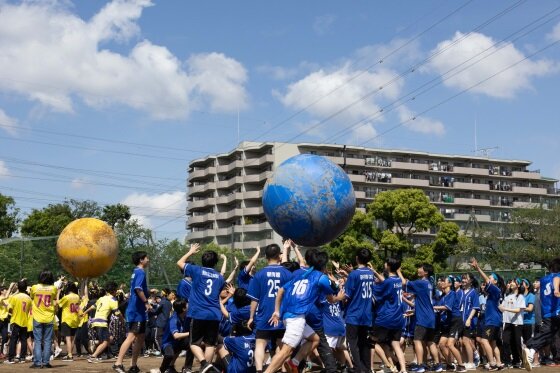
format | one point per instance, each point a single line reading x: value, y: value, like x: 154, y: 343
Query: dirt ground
x: 145, y: 364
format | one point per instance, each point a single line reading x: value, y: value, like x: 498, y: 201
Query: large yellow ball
x: 87, y: 248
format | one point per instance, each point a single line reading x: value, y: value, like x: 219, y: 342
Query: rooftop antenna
x: 482, y: 152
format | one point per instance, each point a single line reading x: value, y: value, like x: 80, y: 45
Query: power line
x: 550, y: 45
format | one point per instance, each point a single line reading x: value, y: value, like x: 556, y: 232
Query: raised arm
x: 286, y: 250
x: 224, y: 264
x: 253, y: 260
x: 232, y: 274
x: 404, y: 280
x: 195, y: 248
x: 300, y: 257
x: 475, y: 265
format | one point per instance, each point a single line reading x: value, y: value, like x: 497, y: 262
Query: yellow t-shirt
x: 103, y: 308
x: 70, y: 305
x: 83, y: 317
x: 20, y: 304
x: 3, y: 308
x: 30, y: 321
x: 44, y: 297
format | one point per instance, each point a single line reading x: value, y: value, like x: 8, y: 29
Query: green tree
x: 9, y: 216
x: 49, y: 221
x: 116, y: 214
x: 84, y: 209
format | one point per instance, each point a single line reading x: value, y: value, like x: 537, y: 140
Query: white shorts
x: 336, y: 341
x: 295, y: 328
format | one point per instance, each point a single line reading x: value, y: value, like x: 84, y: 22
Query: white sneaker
x: 527, y: 358
x: 57, y: 352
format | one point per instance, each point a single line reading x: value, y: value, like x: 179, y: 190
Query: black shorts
x: 424, y: 334
x: 384, y: 335
x: 102, y: 333
x: 67, y: 331
x: 456, y: 328
x: 492, y: 333
x: 270, y: 335
x: 137, y: 327
x: 470, y: 332
x: 204, y: 331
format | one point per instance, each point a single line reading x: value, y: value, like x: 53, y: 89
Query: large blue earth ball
x: 309, y: 199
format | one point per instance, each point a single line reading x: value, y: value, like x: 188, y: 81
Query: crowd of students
x: 290, y: 315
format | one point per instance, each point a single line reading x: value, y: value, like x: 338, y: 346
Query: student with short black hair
x: 19, y: 305
x: 424, y: 332
x: 204, y: 304
x: 136, y: 313
x: 43, y: 295
x: 262, y: 291
x: 359, y: 297
x: 70, y: 306
x: 175, y: 336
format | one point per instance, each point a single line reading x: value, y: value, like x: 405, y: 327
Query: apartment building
x: 224, y: 191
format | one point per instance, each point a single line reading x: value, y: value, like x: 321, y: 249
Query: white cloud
x: 284, y: 73
x: 322, y: 24
x: 420, y: 124
x: 79, y: 183
x: 144, y: 206
x: 554, y: 35
x: 75, y: 61
x: 344, y: 89
x: 4, y: 171
x: 492, y: 60
x: 7, y: 123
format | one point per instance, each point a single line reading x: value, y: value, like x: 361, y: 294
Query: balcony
x: 410, y: 182
x: 201, y: 203
x: 357, y: 178
x: 256, y: 227
x: 200, y: 174
x: 472, y: 202
x: 224, y: 200
x: 263, y: 176
x: 229, y: 167
x: 229, y: 214
x: 255, y: 194
x: 253, y: 210
x: 526, y: 175
x: 410, y: 166
x: 256, y: 162
x: 528, y: 205
x: 225, y: 184
x: 198, y: 219
x: 471, y: 171
x: 470, y: 186
x: 197, y: 189
x: 529, y: 190
x: 466, y: 217
x: 360, y: 194
x: 198, y: 235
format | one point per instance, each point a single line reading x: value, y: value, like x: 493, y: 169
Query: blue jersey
x: 333, y: 323
x: 236, y: 316
x: 184, y: 289
x: 409, y: 322
x: 241, y: 351
x: 263, y: 289
x: 359, y: 291
x: 204, y: 302
x: 470, y: 302
x: 175, y: 324
x: 136, y: 309
x: 443, y: 317
x: 423, y: 290
x: 244, y: 279
x: 492, y: 314
x: 303, y: 291
x: 549, y: 303
x: 388, y: 294
x: 529, y: 317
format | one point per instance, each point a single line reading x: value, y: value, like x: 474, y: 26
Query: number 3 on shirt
x: 366, y: 290
x: 208, y: 289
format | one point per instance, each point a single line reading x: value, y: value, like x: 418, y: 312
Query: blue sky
x: 110, y: 100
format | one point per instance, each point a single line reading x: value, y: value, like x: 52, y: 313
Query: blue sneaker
x: 438, y: 368
x: 420, y: 369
